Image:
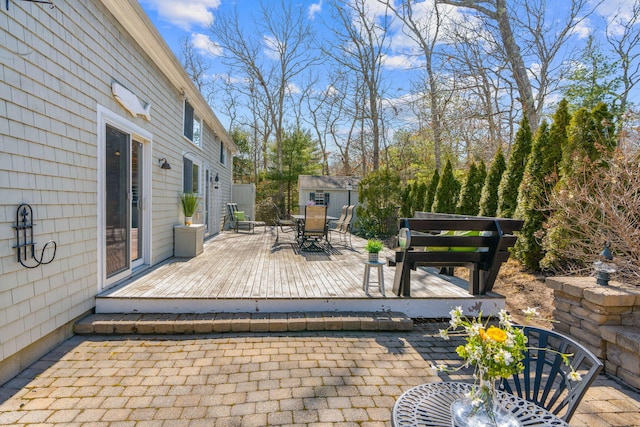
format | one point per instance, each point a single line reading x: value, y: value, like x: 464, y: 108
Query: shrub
x: 489, y: 197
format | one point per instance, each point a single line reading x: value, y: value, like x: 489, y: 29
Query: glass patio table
x: 430, y: 405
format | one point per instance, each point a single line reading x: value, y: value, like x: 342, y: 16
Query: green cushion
x: 454, y: 248
x: 239, y: 215
x: 464, y: 248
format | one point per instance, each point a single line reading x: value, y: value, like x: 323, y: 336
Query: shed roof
x: 327, y: 182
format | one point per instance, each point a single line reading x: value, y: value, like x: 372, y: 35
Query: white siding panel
x: 57, y: 67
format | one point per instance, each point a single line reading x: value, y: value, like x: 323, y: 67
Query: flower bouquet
x: 495, y: 352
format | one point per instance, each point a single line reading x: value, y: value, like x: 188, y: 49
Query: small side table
x: 367, y: 273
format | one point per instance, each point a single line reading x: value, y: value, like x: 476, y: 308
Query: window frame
x: 192, y: 126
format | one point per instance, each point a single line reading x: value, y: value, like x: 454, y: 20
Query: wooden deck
x: 245, y: 272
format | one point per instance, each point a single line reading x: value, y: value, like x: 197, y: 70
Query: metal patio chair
x: 343, y: 225
x: 545, y: 381
x: 283, y: 224
x: 314, y: 228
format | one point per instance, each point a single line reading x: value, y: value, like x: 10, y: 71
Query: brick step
x: 165, y: 324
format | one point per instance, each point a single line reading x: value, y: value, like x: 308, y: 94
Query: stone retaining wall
x: 605, y: 319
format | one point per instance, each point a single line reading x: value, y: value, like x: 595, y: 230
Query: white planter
x: 188, y: 220
x: 373, y: 257
x: 189, y: 240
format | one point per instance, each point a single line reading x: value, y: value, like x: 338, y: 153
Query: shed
x: 332, y: 191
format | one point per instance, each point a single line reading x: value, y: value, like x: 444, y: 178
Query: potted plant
x: 189, y: 203
x: 373, y: 246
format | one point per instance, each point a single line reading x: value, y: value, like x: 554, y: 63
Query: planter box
x: 189, y: 240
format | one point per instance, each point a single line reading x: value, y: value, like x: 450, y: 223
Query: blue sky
x: 176, y: 19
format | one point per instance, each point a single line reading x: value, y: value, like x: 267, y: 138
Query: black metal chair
x: 283, y: 224
x: 545, y: 379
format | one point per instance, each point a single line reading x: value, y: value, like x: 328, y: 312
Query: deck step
x: 171, y: 324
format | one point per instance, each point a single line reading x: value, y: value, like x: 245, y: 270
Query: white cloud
x: 205, y: 46
x: 314, y: 9
x: 184, y: 13
x: 400, y: 62
x: 270, y: 47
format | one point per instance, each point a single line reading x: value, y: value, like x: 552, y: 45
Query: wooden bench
x: 480, y: 244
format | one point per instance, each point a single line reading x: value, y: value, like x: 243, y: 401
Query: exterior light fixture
x: 604, y: 269
x: 165, y: 164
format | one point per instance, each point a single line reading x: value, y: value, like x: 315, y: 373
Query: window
x: 319, y: 198
x: 192, y: 124
x: 190, y: 176
x: 222, y: 153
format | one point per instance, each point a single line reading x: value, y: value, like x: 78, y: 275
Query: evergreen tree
x: 469, y: 202
x: 541, y: 175
x: 532, y: 201
x: 300, y: 156
x: 419, y: 197
x: 406, y: 201
x: 431, y: 191
x: 489, y: 196
x: 510, y: 183
x: 447, y: 191
x: 590, y: 138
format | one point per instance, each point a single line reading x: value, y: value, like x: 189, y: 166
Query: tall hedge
x: 510, y: 183
x: 447, y: 192
x: 489, y: 196
x: 539, y: 178
x: 431, y: 191
x: 591, y: 137
x: 469, y: 202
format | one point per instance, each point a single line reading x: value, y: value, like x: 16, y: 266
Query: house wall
x: 56, y: 72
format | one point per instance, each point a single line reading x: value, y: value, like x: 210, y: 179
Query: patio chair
x: 545, y: 381
x: 343, y: 225
x: 238, y: 220
x: 283, y: 224
x: 314, y: 228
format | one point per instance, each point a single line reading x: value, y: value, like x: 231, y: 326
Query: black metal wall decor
x: 24, y: 236
x: 49, y: 2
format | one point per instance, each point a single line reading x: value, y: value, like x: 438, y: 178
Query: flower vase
x: 188, y: 220
x: 373, y: 256
x: 481, y: 409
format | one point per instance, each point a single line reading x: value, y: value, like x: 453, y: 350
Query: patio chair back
x: 545, y: 380
x: 283, y: 224
x: 315, y: 221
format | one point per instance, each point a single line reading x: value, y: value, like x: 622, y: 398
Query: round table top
x: 430, y: 405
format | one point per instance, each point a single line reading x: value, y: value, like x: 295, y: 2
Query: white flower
x: 505, y: 318
x: 574, y: 376
x: 442, y: 367
x: 444, y: 334
x: 531, y: 312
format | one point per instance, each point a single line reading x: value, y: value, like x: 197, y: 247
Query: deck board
x: 251, y: 266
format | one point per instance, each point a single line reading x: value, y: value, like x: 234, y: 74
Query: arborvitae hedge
x: 510, y: 183
x: 489, y: 197
x: 447, y: 191
x: 469, y: 202
x: 540, y: 176
x: 431, y: 191
x: 591, y: 135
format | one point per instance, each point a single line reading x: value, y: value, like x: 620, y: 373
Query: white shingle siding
x: 57, y: 66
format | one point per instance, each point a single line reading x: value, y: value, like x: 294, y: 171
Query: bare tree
x: 269, y: 59
x: 540, y: 40
x: 360, y: 47
x: 624, y: 38
x: 193, y: 63
x: 423, y: 30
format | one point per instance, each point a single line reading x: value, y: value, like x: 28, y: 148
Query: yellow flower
x: 496, y: 334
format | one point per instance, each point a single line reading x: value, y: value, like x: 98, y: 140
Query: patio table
x: 430, y: 405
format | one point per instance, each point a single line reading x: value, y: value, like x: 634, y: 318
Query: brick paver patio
x: 250, y: 379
